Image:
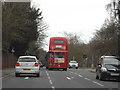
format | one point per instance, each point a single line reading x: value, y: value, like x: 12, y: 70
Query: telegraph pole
x: 119, y: 28
x: 116, y: 6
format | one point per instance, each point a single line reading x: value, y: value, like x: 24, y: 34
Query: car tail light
x: 17, y: 64
x: 101, y: 60
x: 36, y: 64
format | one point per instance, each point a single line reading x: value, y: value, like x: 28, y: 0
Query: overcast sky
x: 77, y: 16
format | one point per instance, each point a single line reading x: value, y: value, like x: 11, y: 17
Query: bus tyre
x: 65, y: 69
x: 49, y: 68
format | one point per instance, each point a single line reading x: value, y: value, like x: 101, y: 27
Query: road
x: 72, y: 78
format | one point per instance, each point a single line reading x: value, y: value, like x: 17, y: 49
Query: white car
x: 27, y: 65
x: 73, y: 64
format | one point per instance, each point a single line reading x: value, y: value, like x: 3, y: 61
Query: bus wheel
x: 65, y: 69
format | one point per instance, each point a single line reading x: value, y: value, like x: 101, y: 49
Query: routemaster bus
x: 57, y: 56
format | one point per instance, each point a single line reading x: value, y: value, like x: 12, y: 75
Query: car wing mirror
x: 99, y: 65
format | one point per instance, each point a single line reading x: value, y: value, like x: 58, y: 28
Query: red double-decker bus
x: 57, y: 56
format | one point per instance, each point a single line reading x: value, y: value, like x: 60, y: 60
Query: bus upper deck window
x: 58, y: 41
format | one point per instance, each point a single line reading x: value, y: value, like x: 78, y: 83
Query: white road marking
x: 72, y: 77
x: 98, y: 83
x: 53, y: 88
x: 50, y: 81
x: 47, y: 73
x: 76, y: 73
x: 49, y: 77
x: 87, y: 79
x: 80, y: 75
x: 68, y: 78
x: 71, y: 72
x: 26, y: 78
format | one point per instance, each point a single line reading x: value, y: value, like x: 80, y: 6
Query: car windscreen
x: 111, y: 61
x: 59, y: 55
x: 73, y: 62
x: 27, y: 60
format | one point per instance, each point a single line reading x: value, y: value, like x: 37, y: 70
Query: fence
x: 8, y: 61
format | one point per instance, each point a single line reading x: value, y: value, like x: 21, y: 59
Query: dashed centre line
x: 49, y: 77
x: 50, y: 81
x: 68, y: 78
x: 80, y: 75
x: 53, y: 88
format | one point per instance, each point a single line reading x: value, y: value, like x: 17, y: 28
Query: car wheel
x: 118, y: 79
x: 37, y: 74
x: 101, y: 77
x: 17, y: 74
x: 97, y: 77
x: 65, y: 69
x: 76, y: 67
x: 46, y: 67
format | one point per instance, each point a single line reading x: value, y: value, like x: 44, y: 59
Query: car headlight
x: 104, y: 69
x: 76, y: 64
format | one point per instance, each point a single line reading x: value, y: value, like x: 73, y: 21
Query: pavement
x: 92, y: 70
x: 7, y: 71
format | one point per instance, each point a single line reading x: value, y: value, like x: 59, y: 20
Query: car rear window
x: 73, y: 62
x: 27, y: 60
x: 111, y: 61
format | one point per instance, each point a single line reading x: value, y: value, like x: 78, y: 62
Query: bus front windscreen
x: 59, y: 55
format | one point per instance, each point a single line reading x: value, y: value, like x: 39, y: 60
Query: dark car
x: 108, y: 68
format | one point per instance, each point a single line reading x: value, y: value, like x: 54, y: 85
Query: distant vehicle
x: 27, y: 65
x: 57, y: 56
x: 108, y: 68
x: 73, y: 64
x: 41, y: 65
